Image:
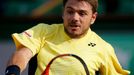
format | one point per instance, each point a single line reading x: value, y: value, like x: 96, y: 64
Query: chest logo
x: 91, y: 44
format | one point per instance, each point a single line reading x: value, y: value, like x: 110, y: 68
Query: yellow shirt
x: 51, y: 40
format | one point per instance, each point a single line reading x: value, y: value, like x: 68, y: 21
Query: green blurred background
x: 115, y: 24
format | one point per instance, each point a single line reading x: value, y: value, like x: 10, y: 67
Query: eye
x: 82, y: 13
x: 70, y: 12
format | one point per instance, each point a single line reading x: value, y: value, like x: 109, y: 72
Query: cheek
x: 85, y: 24
x: 65, y: 21
x: 65, y: 18
x: 87, y: 21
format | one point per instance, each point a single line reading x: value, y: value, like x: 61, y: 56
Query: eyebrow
x: 69, y: 7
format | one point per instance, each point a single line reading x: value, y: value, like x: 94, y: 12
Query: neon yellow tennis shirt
x: 49, y: 41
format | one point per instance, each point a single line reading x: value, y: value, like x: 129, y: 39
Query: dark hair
x: 93, y: 3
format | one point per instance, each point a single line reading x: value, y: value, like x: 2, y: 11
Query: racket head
x: 46, y: 71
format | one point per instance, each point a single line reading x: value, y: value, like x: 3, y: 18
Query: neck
x: 76, y: 36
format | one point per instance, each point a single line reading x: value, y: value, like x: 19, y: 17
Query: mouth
x: 74, y: 27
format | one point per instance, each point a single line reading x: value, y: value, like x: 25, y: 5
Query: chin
x: 75, y: 35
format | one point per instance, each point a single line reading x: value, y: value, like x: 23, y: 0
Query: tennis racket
x: 46, y: 72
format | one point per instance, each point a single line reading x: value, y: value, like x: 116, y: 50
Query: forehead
x: 78, y: 4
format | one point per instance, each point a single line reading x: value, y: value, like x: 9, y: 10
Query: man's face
x: 78, y: 17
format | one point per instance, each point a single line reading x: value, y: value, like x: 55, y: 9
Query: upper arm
x: 112, y: 65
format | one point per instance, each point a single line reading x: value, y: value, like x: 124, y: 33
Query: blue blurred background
x: 115, y: 24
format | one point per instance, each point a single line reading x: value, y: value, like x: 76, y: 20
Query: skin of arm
x: 21, y: 58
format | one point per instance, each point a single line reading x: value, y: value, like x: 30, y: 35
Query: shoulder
x: 46, y: 27
x: 49, y: 29
x: 103, y: 43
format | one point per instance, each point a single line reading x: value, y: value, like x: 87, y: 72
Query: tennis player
x: 74, y: 36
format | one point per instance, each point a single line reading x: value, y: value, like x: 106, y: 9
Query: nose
x: 75, y: 17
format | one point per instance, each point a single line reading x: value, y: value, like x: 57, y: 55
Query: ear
x: 62, y: 16
x: 63, y: 13
x: 94, y: 17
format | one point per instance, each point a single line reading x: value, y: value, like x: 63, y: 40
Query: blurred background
x: 115, y: 24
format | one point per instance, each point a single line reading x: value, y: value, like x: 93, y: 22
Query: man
x: 73, y: 36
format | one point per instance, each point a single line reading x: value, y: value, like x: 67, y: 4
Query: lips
x: 74, y: 27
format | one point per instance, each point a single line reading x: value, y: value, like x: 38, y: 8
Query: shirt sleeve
x: 112, y: 65
x: 31, y: 38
